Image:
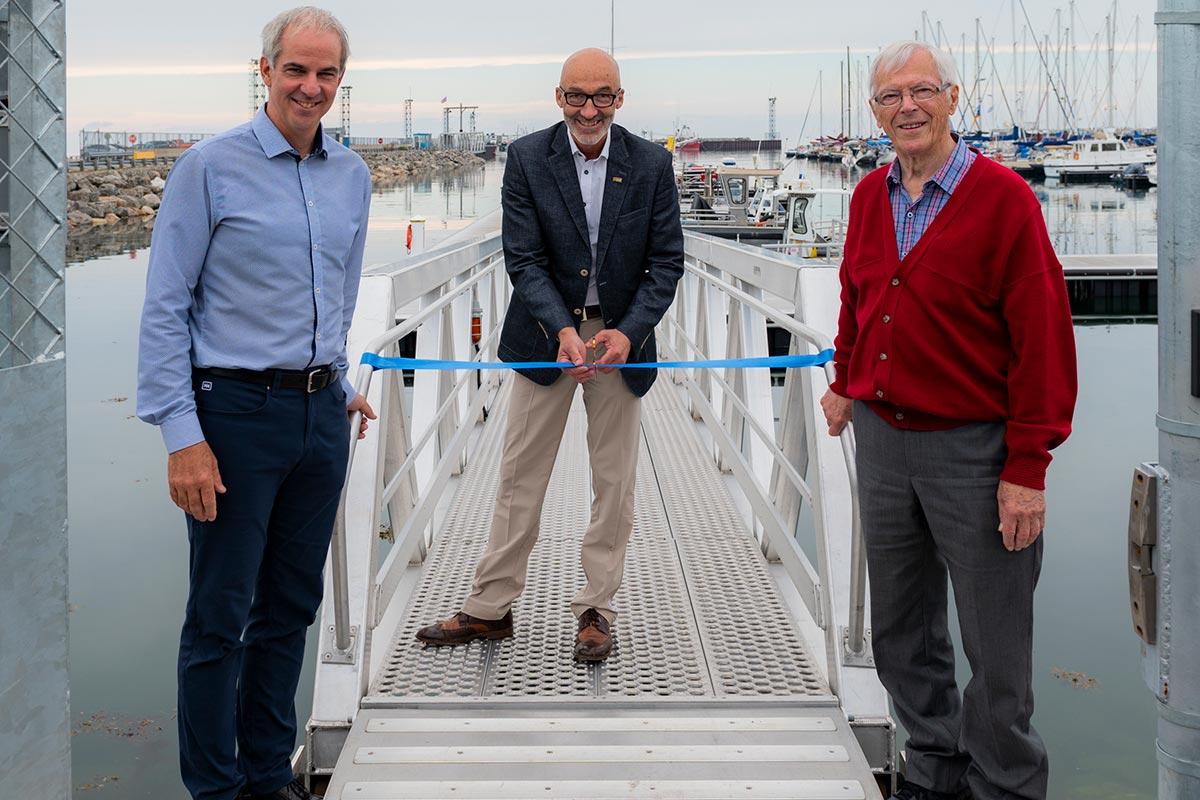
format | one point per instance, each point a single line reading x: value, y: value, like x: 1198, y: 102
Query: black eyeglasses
x: 599, y: 100
x: 919, y: 93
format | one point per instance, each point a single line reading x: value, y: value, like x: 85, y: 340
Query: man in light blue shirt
x: 254, y: 272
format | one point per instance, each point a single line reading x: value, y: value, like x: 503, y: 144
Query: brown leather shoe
x: 593, y: 641
x: 462, y: 627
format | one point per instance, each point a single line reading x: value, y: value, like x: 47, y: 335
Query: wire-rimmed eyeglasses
x: 599, y: 99
x: 919, y: 93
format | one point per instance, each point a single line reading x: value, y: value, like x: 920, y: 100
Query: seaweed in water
x: 124, y: 727
x: 1077, y: 680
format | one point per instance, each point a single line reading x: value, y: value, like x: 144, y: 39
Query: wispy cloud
x: 440, y: 62
x: 494, y: 61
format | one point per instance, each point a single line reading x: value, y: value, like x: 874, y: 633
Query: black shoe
x: 911, y: 791
x: 293, y: 791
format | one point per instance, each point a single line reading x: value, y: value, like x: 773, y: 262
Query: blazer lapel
x: 615, y: 180
x: 562, y: 164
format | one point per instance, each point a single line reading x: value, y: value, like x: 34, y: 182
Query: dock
x: 742, y: 664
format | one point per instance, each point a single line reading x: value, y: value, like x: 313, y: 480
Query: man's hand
x: 616, y: 347
x: 838, y: 411
x: 360, y: 404
x: 194, y: 481
x: 572, y: 349
x: 1022, y: 514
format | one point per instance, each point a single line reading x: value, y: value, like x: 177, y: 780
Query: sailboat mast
x: 1108, y: 27
x: 849, y: 96
x: 841, y: 104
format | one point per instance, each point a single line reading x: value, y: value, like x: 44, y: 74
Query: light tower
x: 772, y: 133
x: 346, y: 115
x: 472, y: 122
x: 257, y: 94
x: 408, y: 126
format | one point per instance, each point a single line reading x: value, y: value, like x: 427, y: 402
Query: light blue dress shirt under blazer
x: 254, y: 264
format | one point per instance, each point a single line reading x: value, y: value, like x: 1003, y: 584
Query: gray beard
x: 590, y: 138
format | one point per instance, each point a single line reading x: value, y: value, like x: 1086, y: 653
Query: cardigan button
x: 879, y: 393
x: 899, y: 415
x: 895, y: 281
x: 583, y: 272
x: 579, y: 312
x: 887, y: 318
x: 883, y: 356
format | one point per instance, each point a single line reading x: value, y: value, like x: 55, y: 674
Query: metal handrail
x: 486, y: 267
x: 856, y: 642
x: 362, y: 385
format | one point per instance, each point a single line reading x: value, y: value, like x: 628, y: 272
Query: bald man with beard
x: 593, y: 247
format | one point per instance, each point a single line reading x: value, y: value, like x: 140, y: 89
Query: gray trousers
x: 928, y: 506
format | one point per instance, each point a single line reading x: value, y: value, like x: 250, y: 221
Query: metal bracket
x: 334, y: 656
x: 1143, y: 537
x: 866, y: 658
x: 1178, y: 427
x: 1177, y: 18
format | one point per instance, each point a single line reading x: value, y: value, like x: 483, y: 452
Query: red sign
x: 133, y: 138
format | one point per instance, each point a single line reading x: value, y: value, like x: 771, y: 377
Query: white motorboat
x: 1096, y: 158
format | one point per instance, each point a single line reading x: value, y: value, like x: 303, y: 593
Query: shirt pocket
x: 229, y: 396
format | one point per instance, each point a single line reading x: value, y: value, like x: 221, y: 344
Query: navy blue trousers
x: 255, y: 580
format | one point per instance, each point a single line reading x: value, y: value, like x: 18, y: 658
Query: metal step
x: 602, y: 749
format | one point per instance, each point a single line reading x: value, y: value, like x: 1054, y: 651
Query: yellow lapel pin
x: 617, y: 179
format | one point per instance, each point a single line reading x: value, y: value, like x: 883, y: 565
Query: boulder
x: 108, y: 187
x: 157, y: 183
x: 147, y: 211
x: 111, y: 218
x: 151, y: 200
x: 78, y: 218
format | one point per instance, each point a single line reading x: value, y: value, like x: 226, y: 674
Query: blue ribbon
x: 821, y: 358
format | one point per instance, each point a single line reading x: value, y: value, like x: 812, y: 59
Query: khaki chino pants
x: 537, y: 416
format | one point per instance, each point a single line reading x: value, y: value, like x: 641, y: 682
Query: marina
x: 1082, y: 605
x: 746, y: 538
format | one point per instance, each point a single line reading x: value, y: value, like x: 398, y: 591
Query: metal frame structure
x: 404, y: 467
x: 1171, y: 664
x: 35, y: 727
x: 399, y: 473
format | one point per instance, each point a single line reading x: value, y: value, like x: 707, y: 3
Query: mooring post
x: 1171, y: 647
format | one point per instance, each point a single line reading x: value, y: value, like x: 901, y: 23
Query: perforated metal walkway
x: 709, y: 693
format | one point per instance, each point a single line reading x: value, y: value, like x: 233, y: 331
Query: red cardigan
x: 973, y: 326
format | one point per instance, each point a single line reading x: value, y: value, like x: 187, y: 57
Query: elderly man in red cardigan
x: 955, y: 357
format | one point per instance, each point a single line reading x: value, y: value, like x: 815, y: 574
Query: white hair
x: 304, y: 17
x: 897, y: 54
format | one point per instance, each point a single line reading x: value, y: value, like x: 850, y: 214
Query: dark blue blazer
x: 639, y: 255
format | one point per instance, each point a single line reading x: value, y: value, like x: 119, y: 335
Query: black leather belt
x: 310, y: 380
x: 591, y: 312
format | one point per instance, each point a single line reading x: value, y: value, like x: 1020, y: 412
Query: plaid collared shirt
x: 913, y: 219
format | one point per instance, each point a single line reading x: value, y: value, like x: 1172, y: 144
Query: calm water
x: 128, y: 546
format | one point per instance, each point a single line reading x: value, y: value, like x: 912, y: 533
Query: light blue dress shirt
x: 254, y: 264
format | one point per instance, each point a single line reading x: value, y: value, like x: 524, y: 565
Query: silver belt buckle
x: 308, y: 388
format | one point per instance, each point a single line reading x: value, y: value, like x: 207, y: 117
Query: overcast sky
x: 161, y: 67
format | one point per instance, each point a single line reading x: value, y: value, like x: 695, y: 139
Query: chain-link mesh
x: 32, y: 180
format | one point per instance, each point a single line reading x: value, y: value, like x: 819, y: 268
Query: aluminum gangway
x: 741, y: 665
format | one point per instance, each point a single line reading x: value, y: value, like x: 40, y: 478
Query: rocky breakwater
x: 126, y: 195
x: 129, y: 197
x: 394, y: 166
